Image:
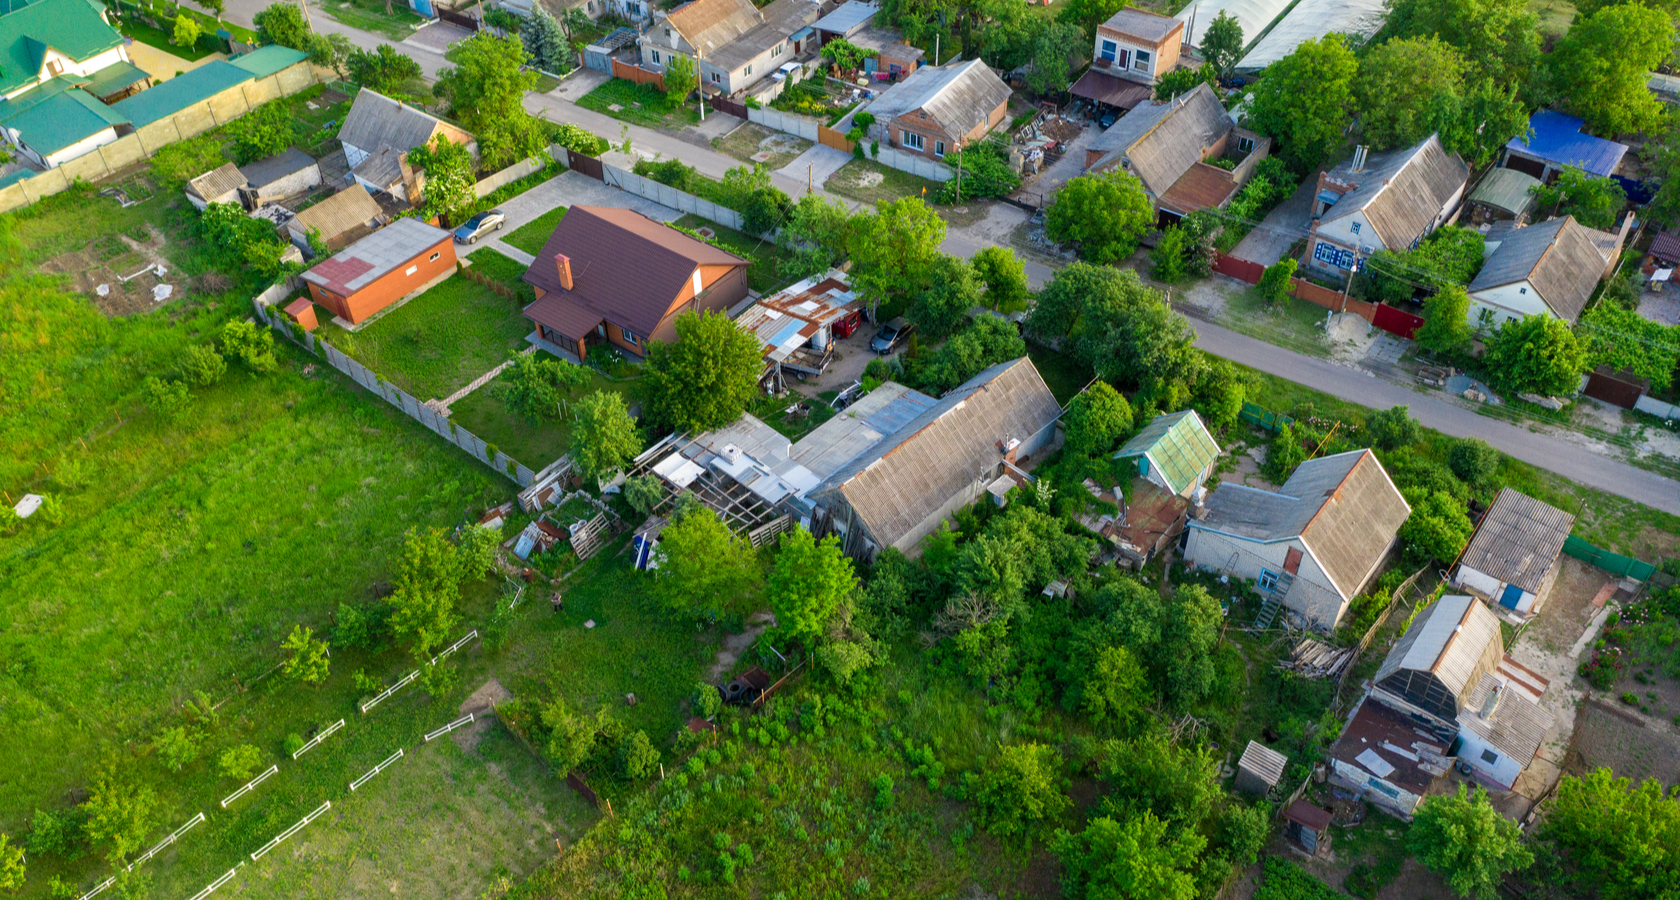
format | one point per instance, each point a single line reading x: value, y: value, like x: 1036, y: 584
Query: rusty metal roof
x: 788, y: 320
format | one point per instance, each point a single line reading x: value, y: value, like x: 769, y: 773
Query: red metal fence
x: 1240, y: 269
x: 1397, y: 321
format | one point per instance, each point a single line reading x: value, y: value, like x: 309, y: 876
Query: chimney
x: 1359, y: 154
x: 563, y: 263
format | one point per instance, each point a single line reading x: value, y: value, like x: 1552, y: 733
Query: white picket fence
x: 376, y: 769
x: 325, y: 805
x: 390, y: 690
x: 213, y: 885
x: 464, y: 720
x: 252, y: 784
x: 318, y: 739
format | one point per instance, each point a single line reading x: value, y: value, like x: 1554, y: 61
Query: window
x: 1141, y: 60
x: 1355, y: 227
x: 656, y: 57
x: 412, y: 270
x: 629, y: 337
x: 667, y: 31
x: 913, y: 140
x: 1490, y: 757
x: 1109, y: 48
x: 434, y: 256
x: 716, y: 78
x: 749, y: 70
x: 1245, y: 145
x: 1522, y: 290
x: 778, y: 50
x: 1330, y: 254
x: 1268, y: 579
x: 938, y: 148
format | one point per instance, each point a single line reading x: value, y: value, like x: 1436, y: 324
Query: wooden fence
x: 828, y: 137
x: 637, y: 74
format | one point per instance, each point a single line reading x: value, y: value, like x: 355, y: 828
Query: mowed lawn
x: 486, y: 413
x: 531, y: 236
x: 441, y: 340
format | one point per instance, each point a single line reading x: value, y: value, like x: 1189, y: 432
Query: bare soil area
x: 106, y: 261
x: 482, y: 705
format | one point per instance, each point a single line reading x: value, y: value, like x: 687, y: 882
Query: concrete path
x: 243, y: 12
x: 1285, y: 225
x: 816, y: 164
x: 1357, y: 386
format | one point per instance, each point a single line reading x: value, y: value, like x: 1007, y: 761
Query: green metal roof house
x: 1174, y: 451
x: 47, y: 38
x: 266, y: 61
x: 58, y: 60
x: 182, y: 91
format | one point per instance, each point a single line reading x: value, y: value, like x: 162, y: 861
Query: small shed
x: 1260, y: 768
x: 1503, y: 194
x: 219, y: 185
x: 599, y: 55
x: 281, y: 175
x: 302, y: 312
x: 1556, y: 141
x: 1174, y: 451
x: 1512, y: 555
x: 1308, y: 827
x: 1664, y: 252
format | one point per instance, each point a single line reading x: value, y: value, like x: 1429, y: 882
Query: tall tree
x: 1535, y: 354
x: 1501, y: 35
x: 1601, y: 66
x: 383, y: 68
x: 1088, y: 14
x: 605, y: 437
x: 486, y: 90
x: 545, y: 41
x: 1404, y: 88
x: 1096, y: 419
x: 121, y: 814
x: 1466, y: 841
x: 954, y: 290
x: 1005, y: 277
x: 1594, y: 202
x: 895, y: 250
x: 706, y: 377
x: 1139, y: 857
x: 1010, y: 31
x: 1055, y: 51
x: 704, y: 567
x: 1306, y: 100
x: 1107, y: 214
x: 1446, y: 321
x: 807, y: 583
x: 449, y: 178
x: 681, y: 78
x: 1222, y: 43
x: 427, y: 584
x: 1614, y: 839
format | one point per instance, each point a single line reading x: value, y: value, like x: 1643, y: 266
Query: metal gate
x: 732, y: 107
x: 1396, y: 321
x: 455, y: 18
x: 586, y: 165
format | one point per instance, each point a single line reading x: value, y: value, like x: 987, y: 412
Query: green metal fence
x: 1265, y: 418
x: 1614, y: 563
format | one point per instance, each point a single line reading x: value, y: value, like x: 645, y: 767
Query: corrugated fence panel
x: 1614, y: 563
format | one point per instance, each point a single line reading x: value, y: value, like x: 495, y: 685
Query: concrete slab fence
x: 665, y: 195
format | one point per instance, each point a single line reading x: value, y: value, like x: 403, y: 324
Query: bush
x: 1474, y: 461
x: 670, y: 172
x: 241, y: 762
x: 166, y: 398
x: 985, y: 172
x: 1021, y: 786
x: 176, y: 747
x: 202, y: 365
x: 1277, y: 281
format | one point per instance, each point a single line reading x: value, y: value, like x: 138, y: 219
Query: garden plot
x: 118, y: 272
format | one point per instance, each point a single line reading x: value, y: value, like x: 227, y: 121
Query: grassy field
x: 751, y: 139
x: 485, y: 413
x: 146, y: 34
x: 1294, y: 323
x: 870, y: 182
x: 370, y: 15
x: 441, y: 340
x: 639, y: 104
x: 531, y: 236
x: 1555, y: 16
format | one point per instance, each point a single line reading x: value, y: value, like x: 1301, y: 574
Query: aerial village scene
x: 835, y: 449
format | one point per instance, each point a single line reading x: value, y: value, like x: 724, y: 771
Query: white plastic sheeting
x: 1312, y: 19
x: 1252, y: 15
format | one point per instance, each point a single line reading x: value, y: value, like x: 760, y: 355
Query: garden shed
x: 219, y: 185
x: 1174, y: 451
x: 281, y: 175
x: 1503, y: 194
x: 1512, y: 555
x: 1556, y: 141
x: 1260, y: 768
x: 1308, y: 827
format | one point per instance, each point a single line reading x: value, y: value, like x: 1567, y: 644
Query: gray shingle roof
x: 376, y: 119
x: 1139, y: 23
x: 1163, y: 140
x: 1401, y: 192
x: 781, y: 19
x: 360, y: 264
x: 709, y: 25
x: 276, y: 167
x: 216, y: 182
x: 1343, y: 507
x: 958, y: 97
x: 913, y: 472
x: 1456, y: 638
x: 1558, y: 257
x: 1518, y: 540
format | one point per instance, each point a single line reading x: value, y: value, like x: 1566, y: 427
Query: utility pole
x: 307, y: 22
x: 699, y: 84
x: 810, y: 178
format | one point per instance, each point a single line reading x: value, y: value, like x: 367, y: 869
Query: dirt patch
x: 869, y: 179
x: 1350, y: 337
x: 106, y: 261
x: 735, y: 644
x: 482, y: 705
x: 1636, y: 751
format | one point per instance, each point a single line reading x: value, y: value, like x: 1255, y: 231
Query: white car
x: 785, y: 72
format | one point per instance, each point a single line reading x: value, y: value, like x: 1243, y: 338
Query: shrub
x: 1020, y: 787
x: 166, y: 398
x: 241, y: 762
x: 1277, y: 281
x: 1474, y: 461
x: 176, y: 747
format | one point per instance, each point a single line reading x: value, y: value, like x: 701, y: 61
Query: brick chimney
x: 563, y: 263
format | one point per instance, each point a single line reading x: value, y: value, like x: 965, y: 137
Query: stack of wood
x: 1316, y: 659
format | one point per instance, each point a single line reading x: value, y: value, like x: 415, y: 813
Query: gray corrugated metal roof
x: 709, y: 25
x: 276, y: 167
x: 958, y: 97
x: 1517, y: 726
x: 382, y: 168
x: 376, y: 119
x: 377, y: 254
x: 1177, y: 445
x: 848, y: 16
x: 1506, y: 189
x: 1163, y: 140
x: 1456, y: 638
x: 1557, y: 257
x: 1264, y: 762
x: 216, y: 182
x: 856, y: 428
x: 1518, y: 540
x: 912, y: 473
x: 1140, y: 23
x: 1401, y: 192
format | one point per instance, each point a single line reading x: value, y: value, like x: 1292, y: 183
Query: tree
x: 983, y: 170
x: 576, y: 138
x: 1467, y: 842
x: 1116, y: 690
x: 644, y: 493
x: 1601, y: 66
x: 1007, y: 39
x: 241, y: 762
x: 704, y: 567
x: 1499, y: 34
x: 987, y: 341
x: 747, y: 190
x: 213, y: 7
x: 1474, y: 461
x: 1614, y: 839
x: 186, y: 32
x: 449, y: 179
x: 282, y: 23
x: 1182, y: 81
x: 706, y: 377
x: 1168, y: 260
x: 1278, y: 281
x: 121, y: 814
x: 11, y: 864
x: 1190, y: 626
x: 1535, y: 355
x: 807, y: 583
x: 535, y: 385
x: 202, y: 365
x: 427, y: 584
x: 1446, y: 321
x: 309, y: 659
x: 707, y: 702
x: 845, y: 56
x: 1404, y: 87
x: 1594, y: 202
x: 605, y: 437
x: 175, y: 747
x: 1623, y: 339
x: 1115, y: 324
x: 545, y: 42
x: 1005, y: 277
x: 570, y: 736
x: 1088, y: 14
x: 1437, y: 529
x: 1222, y: 43
x: 681, y: 78
x: 1096, y: 419
x: 1106, y: 214
x: 260, y: 133
x: 382, y: 69
x: 1485, y: 117
x: 1306, y: 100
x: 637, y: 757
x: 486, y: 90
x: 894, y: 251
x: 942, y: 306
x: 1055, y: 52
x: 1392, y: 428
x: 1019, y: 787
x: 1142, y: 857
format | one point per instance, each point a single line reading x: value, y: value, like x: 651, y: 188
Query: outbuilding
x: 1260, y: 769
x: 219, y: 185
x: 1555, y: 142
x: 401, y: 259
x: 1512, y: 557
x: 336, y: 221
x: 1308, y: 827
x: 281, y: 175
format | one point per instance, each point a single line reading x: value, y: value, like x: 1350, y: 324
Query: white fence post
x: 376, y: 769
x: 389, y: 691
x: 325, y: 805
x: 317, y: 739
x: 213, y: 885
x: 466, y: 719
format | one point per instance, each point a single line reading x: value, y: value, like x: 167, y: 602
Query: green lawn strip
x: 531, y: 236
x: 440, y: 340
x: 369, y: 15
x: 485, y: 413
x: 1294, y: 324
x: 154, y: 37
x: 763, y: 254
x: 857, y: 180
x: 638, y: 104
x: 494, y: 265
x: 545, y: 83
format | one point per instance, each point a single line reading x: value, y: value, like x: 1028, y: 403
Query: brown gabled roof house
x: 616, y: 276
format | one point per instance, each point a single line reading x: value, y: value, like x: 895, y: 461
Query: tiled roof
x: 1518, y: 540
x: 75, y: 28
x: 381, y: 252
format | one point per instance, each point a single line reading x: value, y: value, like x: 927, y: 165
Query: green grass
x: 763, y: 254
x: 545, y: 83
x: 639, y: 104
x: 1294, y: 323
x: 369, y: 15
x: 486, y: 414
x: 858, y: 180
x: 146, y: 34
x: 531, y: 236
x: 750, y: 139
x: 439, y: 341
x: 1555, y: 16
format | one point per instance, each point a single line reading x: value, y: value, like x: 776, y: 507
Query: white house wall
x: 73, y: 66
x: 85, y: 145
x: 295, y: 183
x: 1506, y: 303
x: 1391, y: 797
x: 1312, y: 595
x: 1503, y: 773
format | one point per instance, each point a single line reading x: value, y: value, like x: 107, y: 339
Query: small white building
x: 1313, y: 544
x: 1382, y: 201
x: 1512, y: 556
x: 279, y: 176
x: 1548, y: 269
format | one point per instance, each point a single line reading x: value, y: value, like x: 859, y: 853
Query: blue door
x: 1511, y: 597
x: 870, y: 64
x: 423, y: 7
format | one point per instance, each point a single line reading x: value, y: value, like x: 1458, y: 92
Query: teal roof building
x: 39, y: 35
x: 1174, y: 451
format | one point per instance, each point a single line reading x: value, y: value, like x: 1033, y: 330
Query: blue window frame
x: 1109, y: 48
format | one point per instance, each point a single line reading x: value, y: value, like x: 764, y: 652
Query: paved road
x: 1552, y: 454
x: 242, y: 12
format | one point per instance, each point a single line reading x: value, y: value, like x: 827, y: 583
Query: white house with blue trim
x: 1383, y: 201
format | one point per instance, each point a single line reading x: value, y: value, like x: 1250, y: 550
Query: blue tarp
x: 1557, y: 139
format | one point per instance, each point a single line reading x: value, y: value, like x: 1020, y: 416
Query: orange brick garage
x: 382, y: 268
